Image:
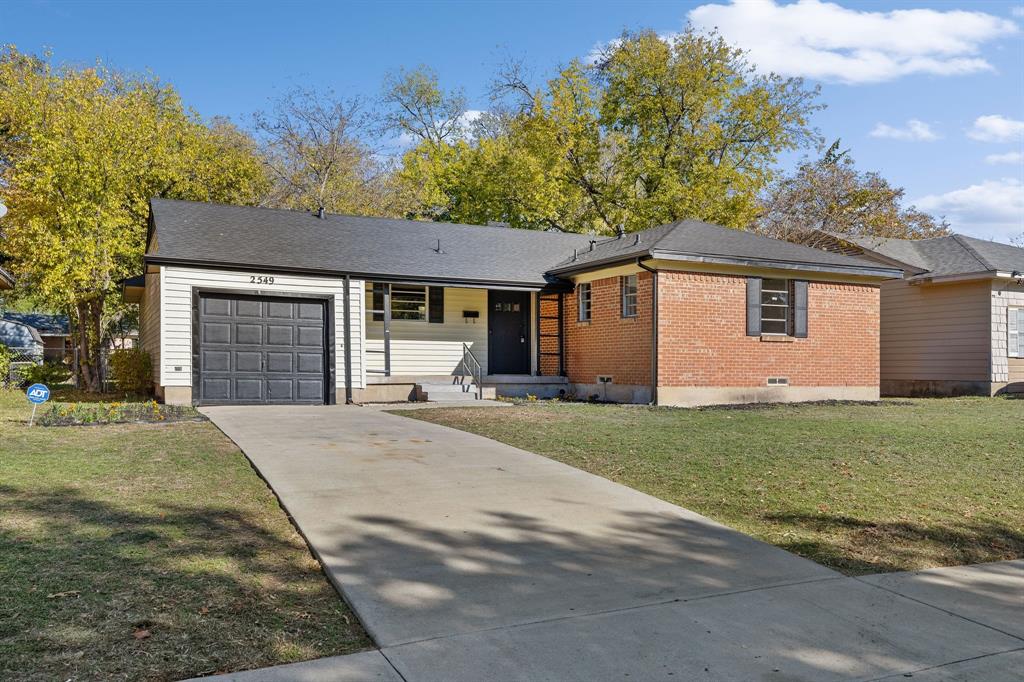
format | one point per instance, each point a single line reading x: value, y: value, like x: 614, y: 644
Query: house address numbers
x: 261, y: 279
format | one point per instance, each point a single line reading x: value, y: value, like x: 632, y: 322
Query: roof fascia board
x: 371, y: 277
x: 618, y: 259
x: 882, y: 273
x: 964, y: 277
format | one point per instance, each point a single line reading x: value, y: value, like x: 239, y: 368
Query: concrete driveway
x: 467, y: 559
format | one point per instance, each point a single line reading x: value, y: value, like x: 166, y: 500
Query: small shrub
x: 50, y: 373
x: 5, y: 364
x: 132, y: 370
x: 74, y: 414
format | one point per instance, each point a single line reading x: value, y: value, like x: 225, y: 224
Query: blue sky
x: 931, y: 94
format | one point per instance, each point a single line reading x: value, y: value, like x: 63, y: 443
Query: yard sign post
x: 37, y: 395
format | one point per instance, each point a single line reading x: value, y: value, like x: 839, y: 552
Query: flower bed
x: 77, y: 414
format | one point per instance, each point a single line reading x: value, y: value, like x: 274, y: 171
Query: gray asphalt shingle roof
x: 693, y: 237
x: 275, y: 238
x: 193, y: 232
x: 45, y: 323
x: 956, y: 254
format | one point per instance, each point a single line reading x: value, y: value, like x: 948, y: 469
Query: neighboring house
x: 6, y: 280
x: 22, y: 338
x: 253, y: 305
x: 51, y: 329
x: 955, y: 324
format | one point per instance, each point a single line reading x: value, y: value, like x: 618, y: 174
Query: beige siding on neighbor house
x: 176, y: 315
x: 1006, y: 296
x: 935, y: 332
x: 149, y: 321
x: 422, y: 348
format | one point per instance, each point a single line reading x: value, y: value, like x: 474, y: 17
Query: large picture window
x: 775, y: 299
x: 629, y: 295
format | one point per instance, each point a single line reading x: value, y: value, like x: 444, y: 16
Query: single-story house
x: 52, y: 330
x: 253, y: 305
x: 954, y: 325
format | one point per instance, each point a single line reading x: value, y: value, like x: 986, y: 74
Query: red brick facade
x: 609, y: 344
x: 702, y: 339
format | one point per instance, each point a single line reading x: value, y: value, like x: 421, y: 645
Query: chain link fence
x: 23, y: 358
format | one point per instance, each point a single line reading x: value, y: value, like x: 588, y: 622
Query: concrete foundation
x: 696, y: 396
x: 614, y: 393
x: 921, y: 388
x: 175, y: 395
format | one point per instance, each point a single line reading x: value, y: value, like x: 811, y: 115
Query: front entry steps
x: 452, y: 390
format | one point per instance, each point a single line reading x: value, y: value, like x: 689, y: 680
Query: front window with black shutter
x: 775, y: 300
x: 776, y: 307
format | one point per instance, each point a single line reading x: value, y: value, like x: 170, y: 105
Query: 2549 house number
x: 261, y: 279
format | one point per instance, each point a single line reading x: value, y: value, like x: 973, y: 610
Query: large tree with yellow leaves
x: 82, y: 150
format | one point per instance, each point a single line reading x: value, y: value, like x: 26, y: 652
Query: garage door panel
x: 280, y: 362
x: 309, y: 389
x: 216, y: 388
x: 280, y: 335
x: 310, y: 337
x: 216, y: 332
x: 311, y: 311
x: 248, y: 308
x: 281, y: 309
x: 248, y: 388
x: 261, y: 350
x: 310, y: 363
x: 216, y: 306
x: 248, y: 361
x: 249, y: 334
x: 217, y: 360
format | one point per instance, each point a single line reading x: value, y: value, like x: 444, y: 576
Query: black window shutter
x: 800, y: 309
x: 378, y: 302
x: 435, y: 304
x: 753, y: 306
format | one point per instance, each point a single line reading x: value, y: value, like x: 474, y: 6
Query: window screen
x: 408, y: 302
x: 774, y: 306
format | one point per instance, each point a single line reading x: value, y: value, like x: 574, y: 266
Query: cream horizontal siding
x: 419, y: 347
x: 1005, y: 296
x: 176, y: 315
x: 149, y: 321
x: 935, y: 332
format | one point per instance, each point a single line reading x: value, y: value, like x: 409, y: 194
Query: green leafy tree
x: 830, y: 195
x: 82, y: 150
x: 656, y: 130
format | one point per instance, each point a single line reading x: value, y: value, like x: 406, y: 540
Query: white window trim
x: 788, y: 291
x: 426, y: 303
x: 624, y: 296
x: 1014, y: 332
x: 584, y: 303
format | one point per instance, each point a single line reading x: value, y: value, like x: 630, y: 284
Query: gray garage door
x: 256, y: 350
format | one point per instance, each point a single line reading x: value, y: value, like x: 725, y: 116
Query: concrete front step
x: 453, y: 392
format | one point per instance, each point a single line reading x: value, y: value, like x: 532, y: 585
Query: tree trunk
x: 89, y: 315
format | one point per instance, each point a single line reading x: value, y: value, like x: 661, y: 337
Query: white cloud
x: 826, y: 41
x: 918, y: 131
x: 1008, y: 157
x: 990, y: 209
x: 996, y: 128
x: 1017, y: 11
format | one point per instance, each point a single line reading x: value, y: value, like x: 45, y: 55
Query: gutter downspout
x: 347, y: 325
x: 654, y: 329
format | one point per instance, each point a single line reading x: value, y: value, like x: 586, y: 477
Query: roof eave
x: 927, y: 277
x: 860, y: 271
x: 550, y: 283
x: 6, y: 279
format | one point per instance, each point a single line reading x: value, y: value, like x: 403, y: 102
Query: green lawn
x: 149, y: 552
x: 860, y: 488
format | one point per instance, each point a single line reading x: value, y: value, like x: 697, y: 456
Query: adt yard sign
x: 37, y: 395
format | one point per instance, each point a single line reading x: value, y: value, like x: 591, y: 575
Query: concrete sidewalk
x: 468, y: 559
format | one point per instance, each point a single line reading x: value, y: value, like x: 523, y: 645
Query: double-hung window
x: 774, y: 306
x: 1015, y: 332
x: 583, y: 300
x: 629, y: 295
x: 408, y: 302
